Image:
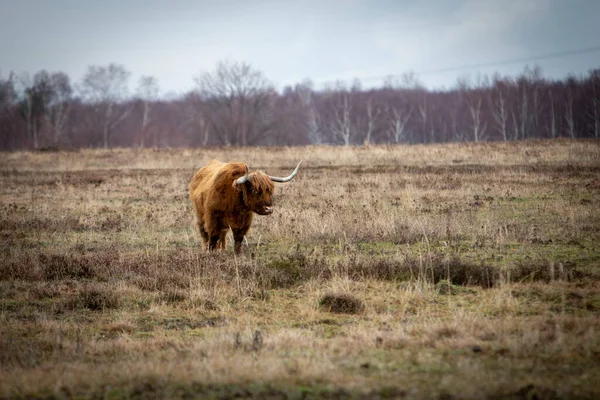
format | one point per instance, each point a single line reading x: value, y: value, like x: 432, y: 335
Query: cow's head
x: 257, y: 189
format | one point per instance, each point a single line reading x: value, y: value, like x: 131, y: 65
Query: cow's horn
x: 243, y: 179
x: 288, y: 178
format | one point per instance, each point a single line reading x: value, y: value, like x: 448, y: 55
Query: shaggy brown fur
x: 220, y: 203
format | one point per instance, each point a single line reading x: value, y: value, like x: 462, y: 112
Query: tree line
x: 236, y: 105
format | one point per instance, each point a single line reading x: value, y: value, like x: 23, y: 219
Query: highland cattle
x: 226, y: 196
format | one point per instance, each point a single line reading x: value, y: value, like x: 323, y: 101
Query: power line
x: 515, y: 60
x: 546, y: 56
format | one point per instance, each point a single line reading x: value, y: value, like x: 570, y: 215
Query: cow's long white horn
x: 287, y: 178
x: 243, y: 179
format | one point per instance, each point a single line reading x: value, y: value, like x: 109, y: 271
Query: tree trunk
x: 569, y: 117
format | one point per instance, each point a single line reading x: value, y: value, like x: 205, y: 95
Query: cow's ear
x: 243, y: 179
x: 243, y: 186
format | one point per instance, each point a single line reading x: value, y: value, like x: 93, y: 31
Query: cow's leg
x: 200, y: 223
x: 203, y: 233
x: 222, y: 240
x: 213, y: 227
x: 213, y: 242
x: 213, y: 239
x: 238, y: 238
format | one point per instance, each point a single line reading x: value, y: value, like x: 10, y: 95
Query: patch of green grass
x: 377, y: 247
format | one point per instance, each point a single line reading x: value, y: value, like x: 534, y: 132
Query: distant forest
x: 236, y: 105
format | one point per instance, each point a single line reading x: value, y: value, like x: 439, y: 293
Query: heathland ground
x: 430, y: 271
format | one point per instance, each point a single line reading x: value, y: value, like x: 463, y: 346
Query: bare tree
x: 408, y: 80
x: 372, y: 115
x: 534, y: 82
x: 455, y: 110
x: 8, y: 100
x: 307, y: 101
x: 31, y: 108
x: 195, y: 123
x: 523, y: 115
x: 341, y: 124
x: 423, y: 112
x: 414, y: 96
x: 536, y: 105
x: 526, y: 118
x: 45, y: 106
x: 399, y: 117
x: 479, y: 127
x: 594, y: 113
x: 569, y: 115
x: 147, y: 92
x: 7, y: 94
x: 315, y: 134
x: 474, y: 95
x: 58, y: 105
x: 106, y: 88
x: 500, y: 112
x: 552, y: 128
x: 238, y: 103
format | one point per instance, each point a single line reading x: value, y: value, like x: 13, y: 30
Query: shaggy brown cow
x: 227, y: 196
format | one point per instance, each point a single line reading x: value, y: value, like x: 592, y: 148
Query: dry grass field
x: 439, y: 271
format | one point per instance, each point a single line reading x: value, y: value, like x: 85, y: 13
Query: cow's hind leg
x: 200, y: 223
x: 215, y: 231
x: 203, y: 233
x: 213, y: 242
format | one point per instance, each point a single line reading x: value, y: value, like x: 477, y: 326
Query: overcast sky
x: 289, y: 41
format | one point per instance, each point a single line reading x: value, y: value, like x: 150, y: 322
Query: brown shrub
x: 173, y: 295
x: 18, y: 348
x: 61, y: 266
x: 458, y: 272
x: 95, y: 296
x: 342, y: 303
x: 38, y: 265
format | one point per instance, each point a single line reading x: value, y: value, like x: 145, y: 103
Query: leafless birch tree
x: 594, y: 102
x: 372, y: 115
x: 552, y: 126
x: 147, y: 93
x: 58, y: 105
x: 106, y: 88
x: 478, y: 126
x: 569, y: 115
x: 341, y: 124
x: 398, y: 117
x: 500, y: 112
x: 314, y: 132
x: 238, y: 103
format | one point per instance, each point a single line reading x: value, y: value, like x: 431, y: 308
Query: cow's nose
x: 268, y: 210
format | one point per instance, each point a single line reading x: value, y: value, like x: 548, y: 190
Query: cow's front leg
x: 238, y: 239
